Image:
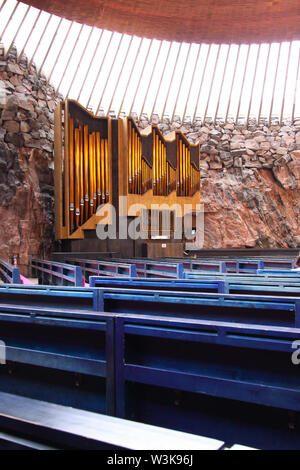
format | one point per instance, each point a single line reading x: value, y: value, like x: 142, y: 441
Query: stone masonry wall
x: 27, y: 103
x: 250, y: 182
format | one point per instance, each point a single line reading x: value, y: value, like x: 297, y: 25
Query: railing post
x: 16, y: 278
x: 237, y: 270
x: 132, y: 270
x: 261, y: 265
x: 180, y: 271
x: 78, y: 277
x: 223, y: 268
x: 98, y: 300
x: 221, y: 287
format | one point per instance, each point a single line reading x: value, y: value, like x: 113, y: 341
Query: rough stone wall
x: 27, y: 103
x: 250, y: 182
x: 250, y: 175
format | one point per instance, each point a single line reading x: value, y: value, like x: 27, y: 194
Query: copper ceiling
x: 223, y: 21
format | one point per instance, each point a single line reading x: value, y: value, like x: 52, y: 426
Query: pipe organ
x: 98, y: 159
x: 188, y: 175
x: 82, y: 168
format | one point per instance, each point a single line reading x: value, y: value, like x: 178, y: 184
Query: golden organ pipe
x: 185, y: 169
x: 106, y: 171
x: 71, y: 172
x: 157, y: 165
x: 81, y: 175
x: 165, y: 170
x: 102, y: 171
x: 177, y: 163
x: 77, y: 177
x: 140, y: 159
x: 129, y: 159
x: 190, y: 174
x: 98, y: 160
x: 140, y: 165
x: 181, y: 167
x: 94, y: 172
x: 86, y: 171
x: 136, y: 163
x: 162, y: 168
x: 91, y: 173
x: 133, y: 159
x: 153, y: 163
x: 167, y: 179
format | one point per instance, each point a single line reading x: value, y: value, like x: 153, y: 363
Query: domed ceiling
x: 223, y: 21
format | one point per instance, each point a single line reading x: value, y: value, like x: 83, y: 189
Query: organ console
x: 147, y: 167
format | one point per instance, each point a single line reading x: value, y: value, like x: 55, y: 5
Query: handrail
x: 102, y: 267
x: 9, y: 273
x: 55, y: 273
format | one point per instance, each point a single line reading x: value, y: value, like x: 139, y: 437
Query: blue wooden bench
x: 231, y: 381
x: 63, y: 357
x: 63, y: 427
x: 278, y: 273
x: 60, y: 297
x: 273, y: 310
x: 259, y: 275
x: 156, y: 268
x: 274, y: 287
x: 254, y: 309
x: 201, y: 375
x: 58, y: 274
x: 9, y: 273
x: 249, y: 266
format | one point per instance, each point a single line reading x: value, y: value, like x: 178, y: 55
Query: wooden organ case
x: 158, y: 170
x: 82, y: 160
x: 98, y: 160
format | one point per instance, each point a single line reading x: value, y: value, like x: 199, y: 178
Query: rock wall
x: 27, y: 103
x: 250, y: 182
x: 250, y: 175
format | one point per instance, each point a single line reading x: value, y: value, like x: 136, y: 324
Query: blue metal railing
x: 104, y: 268
x: 54, y: 273
x: 9, y: 273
